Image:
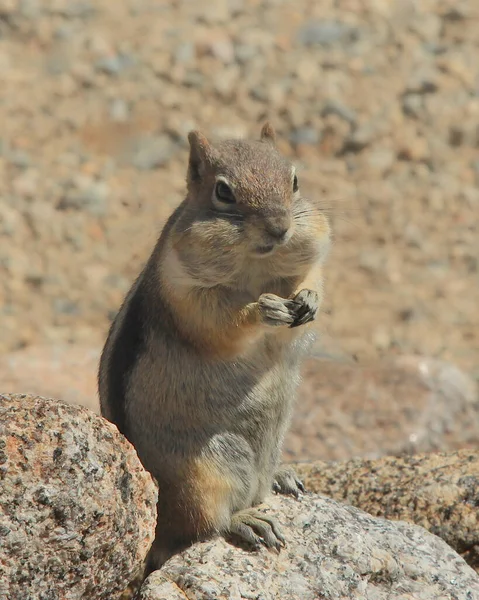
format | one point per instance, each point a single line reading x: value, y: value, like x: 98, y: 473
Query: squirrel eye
x: 295, y: 184
x: 224, y: 193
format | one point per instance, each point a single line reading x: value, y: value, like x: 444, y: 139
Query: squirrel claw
x: 308, y: 302
x: 276, y: 311
x: 256, y: 529
x: 287, y: 482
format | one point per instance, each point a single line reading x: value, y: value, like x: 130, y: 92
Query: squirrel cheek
x: 316, y: 238
x: 323, y: 245
x: 312, y: 248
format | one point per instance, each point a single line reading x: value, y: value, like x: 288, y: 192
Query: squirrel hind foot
x: 254, y: 529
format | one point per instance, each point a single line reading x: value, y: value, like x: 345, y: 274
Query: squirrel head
x: 247, y: 184
x: 243, y: 220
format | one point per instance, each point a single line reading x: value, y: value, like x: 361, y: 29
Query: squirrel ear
x: 200, y: 153
x: 268, y: 133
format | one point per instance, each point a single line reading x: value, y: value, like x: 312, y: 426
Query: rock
x: 371, y: 261
x: 157, y: 586
x: 119, y: 110
x: 403, y: 405
x: 325, y: 33
x: 381, y: 160
x: 85, y: 193
x: 77, y: 509
x: 456, y: 13
x: 334, y: 107
x: 360, y: 137
x: 413, y: 235
x: 332, y: 552
x: 149, y: 151
x: 9, y: 220
x: 65, y: 306
x: 422, y: 81
x: 428, y: 26
x: 222, y: 49
x: 194, y: 79
x: 381, y: 338
x: 26, y: 184
x: 439, y: 492
x: 20, y: 159
x: 64, y: 32
x: 59, y: 62
x: 29, y: 9
x: 412, y: 105
x: 475, y: 166
x: 114, y: 64
x: 244, y: 52
x: 77, y: 9
x: 215, y: 12
x: 225, y: 84
x: 64, y: 371
x: 184, y: 53
x: 304, y: 135
x: 83, y: 73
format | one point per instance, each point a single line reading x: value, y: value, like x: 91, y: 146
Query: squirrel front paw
x: 307, y: 305
x: 276, y: 311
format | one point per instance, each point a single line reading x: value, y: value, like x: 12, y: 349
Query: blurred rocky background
x: 377, y: 101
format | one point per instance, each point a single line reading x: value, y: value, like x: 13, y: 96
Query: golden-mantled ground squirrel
x: 201, y: 364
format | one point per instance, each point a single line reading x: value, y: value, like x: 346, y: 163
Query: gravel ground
x: 376, y: 100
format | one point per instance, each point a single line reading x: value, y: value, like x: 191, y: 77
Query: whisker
x: 343, y: 204
x: 357, y: 225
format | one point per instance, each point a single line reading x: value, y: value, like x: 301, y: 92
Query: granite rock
x: 77, y: 509
x: 440, y: 492
x: 332, y: 551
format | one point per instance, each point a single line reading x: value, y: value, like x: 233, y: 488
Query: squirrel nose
x: 278, y: 231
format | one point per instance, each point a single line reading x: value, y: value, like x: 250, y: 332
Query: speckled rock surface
x: 77, y: 509
x: 333, y: 552
x: 437, y: 491
x: 158, y: 586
